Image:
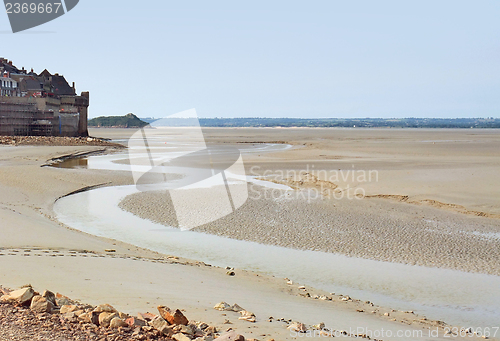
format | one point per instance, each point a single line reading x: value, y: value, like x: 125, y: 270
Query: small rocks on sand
x: 223, y: 306
x: 104, y: 321
x: 297, y: 327
x: 247, y: 316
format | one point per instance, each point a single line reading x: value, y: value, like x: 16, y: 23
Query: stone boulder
x: 172, y: 317
x: 40, y: 304
x: 222, y: 306
x: 181, y: 337
x: 161, y: 325
x: 105, y: 318
x: 117, y: 323
x: 50, y: 296
x: 135, y: 322
x: 105, y: 308
x: 68, y: 308
x: 22, y: 296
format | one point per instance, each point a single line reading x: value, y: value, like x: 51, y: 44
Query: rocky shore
x: 25, y: 314
x: 56, y: 141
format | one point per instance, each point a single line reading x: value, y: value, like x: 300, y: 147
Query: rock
x: 302, y: 287
x: 211, y: 330
x: 298, y: 327
x: 4, y: 291
x: 105, y: 318
x: 135, y: 322
x: 146, y: 316
x: 123, y: 316
x: 69, y: 315
x: 247, y: 316
x: 180, y: 337
x: 117, y: 322
x: 222, y: 306
x: 319, y: 326
x: 22, y: 296
x: 68, y: 308
x: 40, y: 304
x: 176, y: 317
x: 188, y: 330
x: 161, y: 325
x: 5, y: 299
x: 94, y: 317
x: 85, y: 317
x: 89, y: 317
x: 62, y: 300
x: 230, y: 273
x: 50, y: 296
x: 105, y: 308
x: 231, y: 336
x: 204, y: 338
x: 236, y: 308
x: 79, y: 312
x: 201, y: 325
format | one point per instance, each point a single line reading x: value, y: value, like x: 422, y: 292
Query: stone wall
x: 64, y: 116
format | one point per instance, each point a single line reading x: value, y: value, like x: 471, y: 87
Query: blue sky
x: 273, y: 58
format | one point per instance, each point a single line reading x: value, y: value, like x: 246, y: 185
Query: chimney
x: 74, y: 87
x: 10, y: 62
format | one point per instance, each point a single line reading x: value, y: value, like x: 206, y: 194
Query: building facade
x: 8, y: 86
x: 40, y: 104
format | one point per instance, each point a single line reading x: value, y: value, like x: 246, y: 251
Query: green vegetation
x: 127, y: 121
x: 353, y: 122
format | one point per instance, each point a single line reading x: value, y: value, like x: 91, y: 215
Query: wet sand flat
x: 137, y: 279
x: 432, y: 199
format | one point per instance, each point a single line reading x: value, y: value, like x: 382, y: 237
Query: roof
x: 30, y: 83
x: 61, y: 86
x: 9, y: 68
x: 45, y: 73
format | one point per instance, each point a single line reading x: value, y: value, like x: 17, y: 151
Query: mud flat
x: 37, y: 248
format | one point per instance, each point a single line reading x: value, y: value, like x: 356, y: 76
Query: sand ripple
x: 367, y: 228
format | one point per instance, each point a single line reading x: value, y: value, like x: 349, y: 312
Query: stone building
x: 40, y: 104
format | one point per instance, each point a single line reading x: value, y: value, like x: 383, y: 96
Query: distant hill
x: 127, y: 121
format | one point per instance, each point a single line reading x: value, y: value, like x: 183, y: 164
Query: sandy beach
x: 435, y: 203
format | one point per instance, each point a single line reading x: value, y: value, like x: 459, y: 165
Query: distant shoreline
x: 262, y: 122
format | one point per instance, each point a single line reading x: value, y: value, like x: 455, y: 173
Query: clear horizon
x: 327, y: 59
